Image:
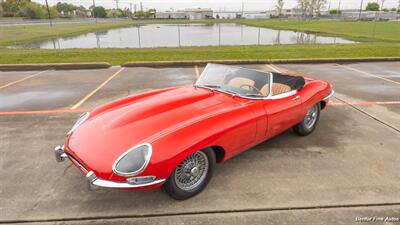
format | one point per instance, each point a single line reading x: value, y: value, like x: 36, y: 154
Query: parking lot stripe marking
x: 366, y: 73
x: 196, y: 70
x: 44, y: 112
x: 83, y: 100
x: 22, y: 79
x: 273, y: 68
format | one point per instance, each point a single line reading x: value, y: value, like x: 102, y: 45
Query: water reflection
x: 163, y: 35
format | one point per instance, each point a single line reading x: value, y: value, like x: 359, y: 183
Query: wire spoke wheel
x: 311, y: 117
x: 192, y: 171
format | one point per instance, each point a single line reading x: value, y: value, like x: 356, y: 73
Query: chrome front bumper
x: 330, y: 95
x: 93, y: 180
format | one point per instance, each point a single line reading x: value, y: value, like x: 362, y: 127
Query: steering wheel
x: 252, y: 87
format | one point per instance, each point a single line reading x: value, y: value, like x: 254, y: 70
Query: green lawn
x: 25, y: 33
x: 386, y: 44
x: 119, y: 56
x: 361, y: 31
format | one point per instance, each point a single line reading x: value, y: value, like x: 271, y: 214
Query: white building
x: 171, y: 15
x: 192, y: 14
x: 256, y: 15
x: 226, y: 14
x: 199, y: 13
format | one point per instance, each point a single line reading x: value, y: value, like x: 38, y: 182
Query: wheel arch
x: 219, y: 153
x: 323, y: 104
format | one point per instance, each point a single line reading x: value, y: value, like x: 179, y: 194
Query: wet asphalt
x: 348, y: 168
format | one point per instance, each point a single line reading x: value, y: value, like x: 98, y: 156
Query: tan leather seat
x: 265, y: 90
x: 276, y: 89
x: 240, y: 81
x: 280, y: 88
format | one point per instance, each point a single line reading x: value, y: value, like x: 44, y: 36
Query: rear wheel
x: 309, y: 122
x: 191, y: 176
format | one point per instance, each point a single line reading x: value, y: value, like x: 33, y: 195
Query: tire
x: 309, y: 123
x: 179, y: 187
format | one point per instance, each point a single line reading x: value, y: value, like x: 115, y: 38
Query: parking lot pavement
x: 50, y: 89
x: 140, y: 79
x: 348, y: 167
x: 337, y: 216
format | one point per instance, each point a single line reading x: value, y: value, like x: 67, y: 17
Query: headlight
x: 81, y: 119
x: 133, y: 161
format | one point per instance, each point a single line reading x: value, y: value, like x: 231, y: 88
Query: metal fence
x: 178, y: 35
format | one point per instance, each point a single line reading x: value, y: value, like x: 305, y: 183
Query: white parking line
x: 22, y: 79
x: 83, y: 100
x: 366, y: 73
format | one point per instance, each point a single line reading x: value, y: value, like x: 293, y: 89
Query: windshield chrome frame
x: 268, y: 97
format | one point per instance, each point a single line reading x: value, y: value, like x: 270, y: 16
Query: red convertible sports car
x: 172, y: 138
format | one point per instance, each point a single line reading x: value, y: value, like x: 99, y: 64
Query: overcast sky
x: 163, y: 5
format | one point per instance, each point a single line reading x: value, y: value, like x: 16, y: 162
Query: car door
x: 282, y: 113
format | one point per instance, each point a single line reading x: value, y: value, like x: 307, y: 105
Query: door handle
x: 295, y: 98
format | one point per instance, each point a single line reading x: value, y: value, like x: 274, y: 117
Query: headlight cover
x: 133, y: 161
x: 81, y: 119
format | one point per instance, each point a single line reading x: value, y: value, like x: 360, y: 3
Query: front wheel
x: 309, y: 122
x: 191, y: 176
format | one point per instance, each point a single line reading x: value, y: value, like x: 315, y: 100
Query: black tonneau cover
x: 294, y: 82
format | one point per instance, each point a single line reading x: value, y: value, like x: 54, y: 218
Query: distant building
x: 199, y: 13
x: 171, y: 15
x: 227, y: 14
x: 256, y: 15
x: 192, y: 14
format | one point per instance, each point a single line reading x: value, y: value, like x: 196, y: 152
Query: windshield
x: 235, y: 80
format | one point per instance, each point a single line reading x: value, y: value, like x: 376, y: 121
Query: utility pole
x: 116, y: 2
x: 242, y: 9
x: 94, y: 11
x: 130, y: 4
x: 329, y: 6
x: 141, y: 7
x: 134, y: 8
x: 380, y: 9
x: 361, y: 5
x: 48, y: 12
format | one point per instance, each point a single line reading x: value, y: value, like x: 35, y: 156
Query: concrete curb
x: 54, y: 66
x: 256, y: 61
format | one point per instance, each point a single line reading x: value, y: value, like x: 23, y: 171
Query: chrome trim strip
x: 94, y: 180
x: 284, y: 95
x: 77, y: 163
x: 147, y: 160
x: 80, y: 120
x: 330, y: 95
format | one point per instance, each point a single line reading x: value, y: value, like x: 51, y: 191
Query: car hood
x: 114, y: 128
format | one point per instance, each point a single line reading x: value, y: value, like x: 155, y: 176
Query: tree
x: 335, y: 12
x: 114, y: 13
x: 311, y: 8
x: 1, y: 10
x: 100, y: 12
x: 319, y: 5
x: 372, y: 6
x: 279, y: 6
x: 65, y: 8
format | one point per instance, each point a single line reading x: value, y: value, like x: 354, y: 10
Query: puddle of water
x: 168, y: 35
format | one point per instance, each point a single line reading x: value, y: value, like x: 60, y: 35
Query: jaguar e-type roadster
x: 173, y: 137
